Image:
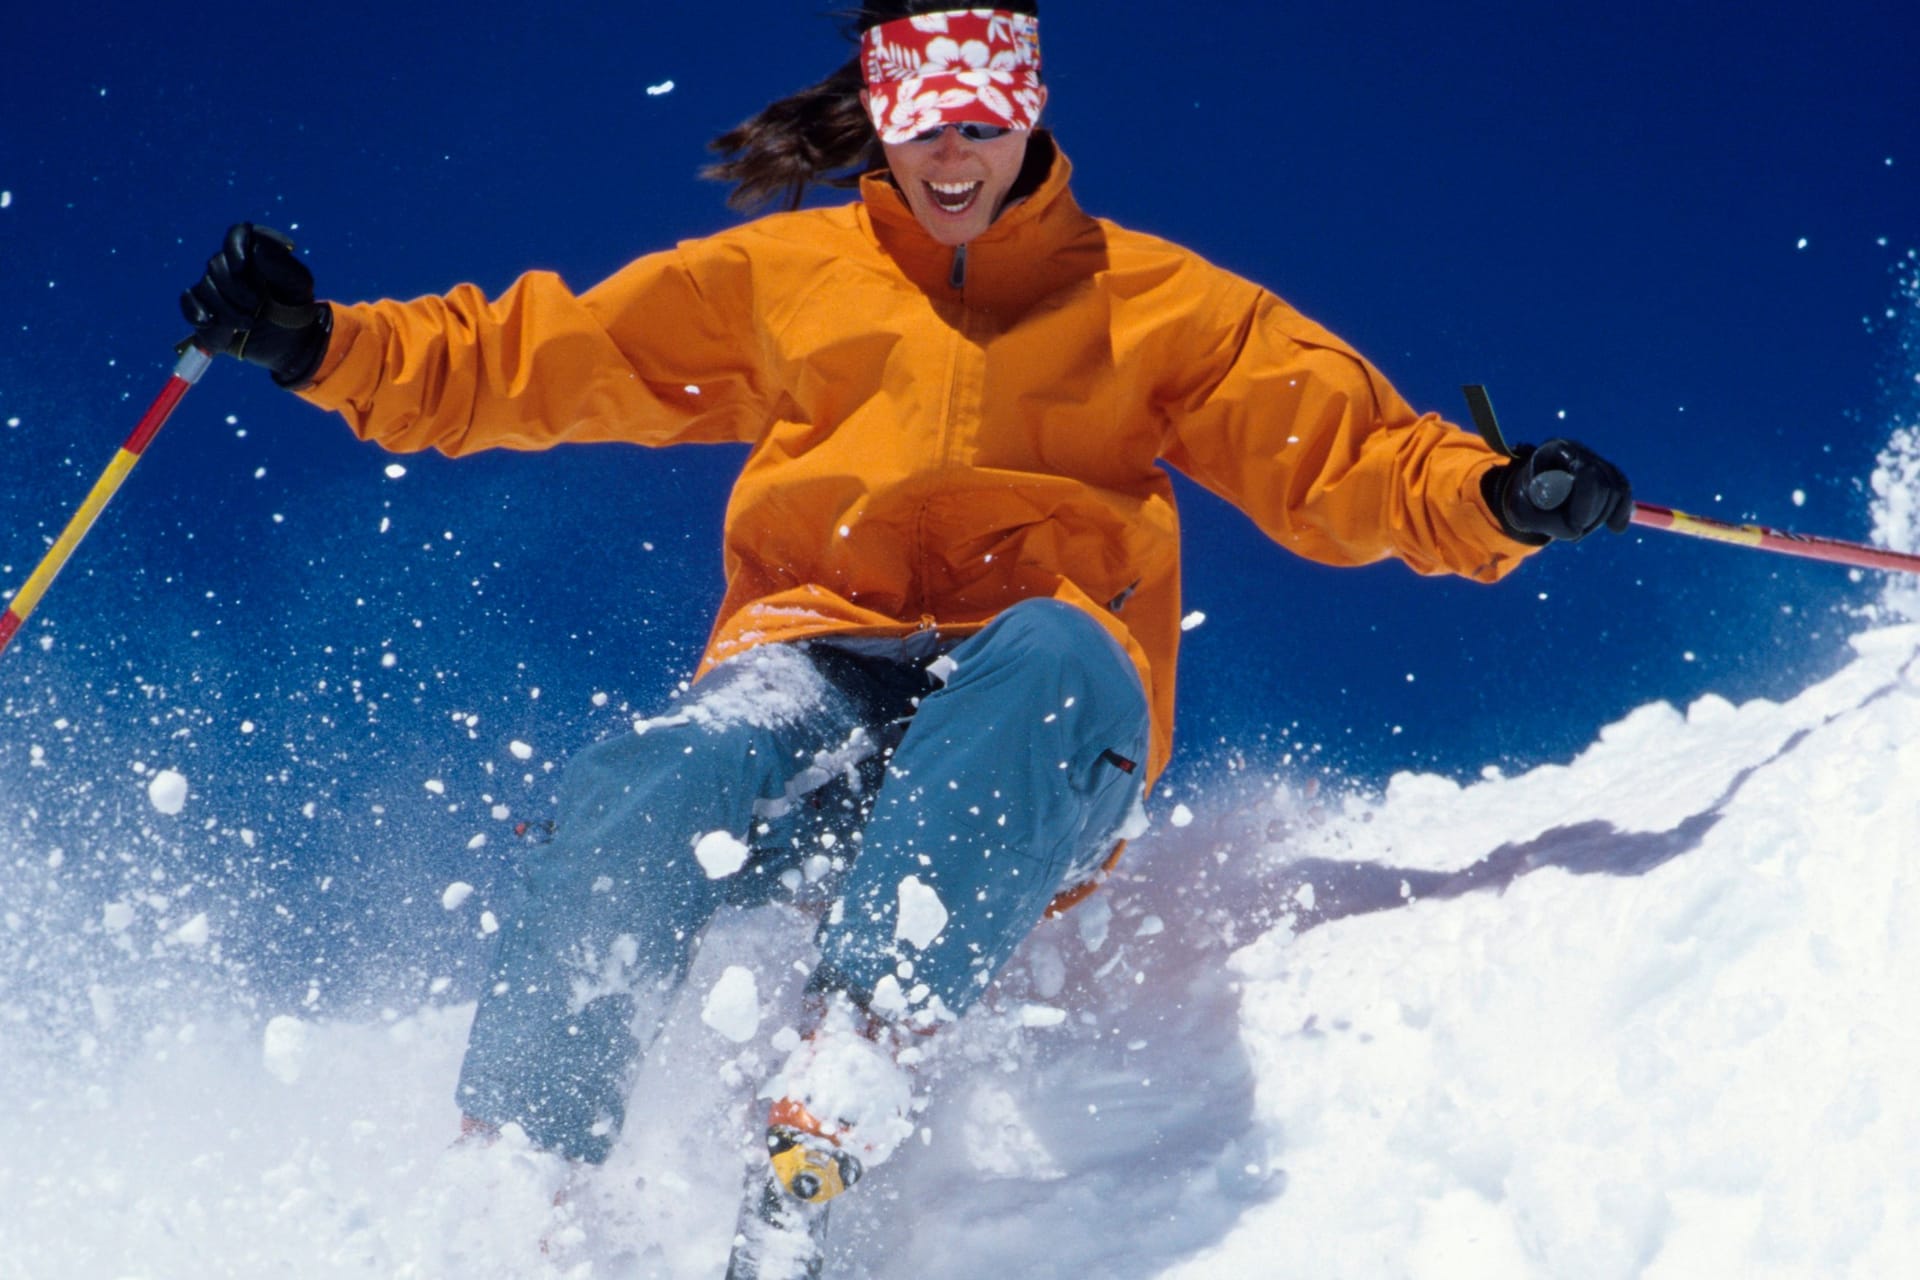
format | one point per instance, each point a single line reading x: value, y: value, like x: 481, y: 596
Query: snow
x: 733, y: 1005
x: 1648, y: 1012
x: 284, y: 1048
x: 1895, y: 481
x: 1041, y: 1015
x: 852, y: 1082
x: 922, y: 914
x: 167, y: 792
x: 195, y: 932
x: 766, y: 687
x: 1711, y: 1067
x: 720, y: 854
x: 455, y: 895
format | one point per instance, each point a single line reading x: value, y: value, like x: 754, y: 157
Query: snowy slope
x: 1679, y: 1043
x: 1652, y: 1012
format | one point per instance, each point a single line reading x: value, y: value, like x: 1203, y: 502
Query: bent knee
x: 1059, y: 644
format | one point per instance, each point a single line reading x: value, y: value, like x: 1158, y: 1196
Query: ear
x: 1043, y: 107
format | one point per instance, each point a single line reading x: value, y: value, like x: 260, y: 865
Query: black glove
x: 256, y: 302
x: 1561, y: 490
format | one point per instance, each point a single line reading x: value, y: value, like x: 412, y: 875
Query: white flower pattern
x: 964, y: 65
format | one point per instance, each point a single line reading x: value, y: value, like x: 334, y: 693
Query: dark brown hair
x: 820, y: 134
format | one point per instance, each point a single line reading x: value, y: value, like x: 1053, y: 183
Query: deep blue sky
x: 1596, y: 209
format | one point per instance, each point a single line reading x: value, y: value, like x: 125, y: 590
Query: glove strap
x: 1480, y: 405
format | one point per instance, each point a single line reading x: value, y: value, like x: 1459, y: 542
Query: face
x: 956, y: 188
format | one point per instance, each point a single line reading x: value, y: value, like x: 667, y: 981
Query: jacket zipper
x: 957, y: 278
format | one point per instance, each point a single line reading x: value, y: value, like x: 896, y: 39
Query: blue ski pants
x: 943, y: 794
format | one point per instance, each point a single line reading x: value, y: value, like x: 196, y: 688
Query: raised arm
x: 1294, y: 427
x: 665, y: 351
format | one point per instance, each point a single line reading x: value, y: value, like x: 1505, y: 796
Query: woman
x: 942, y: 675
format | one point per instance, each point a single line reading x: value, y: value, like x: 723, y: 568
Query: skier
x: 943, y: 668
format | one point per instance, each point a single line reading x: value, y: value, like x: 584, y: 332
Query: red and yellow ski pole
x: 1760, y: 538
x: 192, y: 363
x: 1807, y: 546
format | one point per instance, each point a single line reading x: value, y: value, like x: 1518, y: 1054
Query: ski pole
x: 1550, y: 489
x: 192, y: 363
x: 1805, y: 545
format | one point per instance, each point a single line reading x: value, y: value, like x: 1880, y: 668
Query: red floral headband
x: 979, y: 66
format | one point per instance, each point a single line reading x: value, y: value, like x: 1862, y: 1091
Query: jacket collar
x: 1026, y: 232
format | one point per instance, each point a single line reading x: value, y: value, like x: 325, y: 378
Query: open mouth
x: 954, y: 197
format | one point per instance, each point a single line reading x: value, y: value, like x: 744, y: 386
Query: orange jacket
x: 932, y: 441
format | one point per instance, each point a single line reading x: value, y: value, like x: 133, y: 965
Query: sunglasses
x: 969, y: 130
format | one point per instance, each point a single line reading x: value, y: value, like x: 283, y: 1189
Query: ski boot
x: 845, y: 1070
x: 807, y: 1160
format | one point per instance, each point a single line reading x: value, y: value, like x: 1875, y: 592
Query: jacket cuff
x: 313, y: 349
x: 344, y: 326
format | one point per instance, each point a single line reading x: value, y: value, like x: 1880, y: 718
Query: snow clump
x: 720, y: 854
x: 733, y: 1005
x: 284, y: 1048
x: 167, y: 791
x: 922, y: 914
x: 193, y: 933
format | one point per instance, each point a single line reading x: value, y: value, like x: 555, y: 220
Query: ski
x: 781, y: 1233
x: 777, y: 1237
